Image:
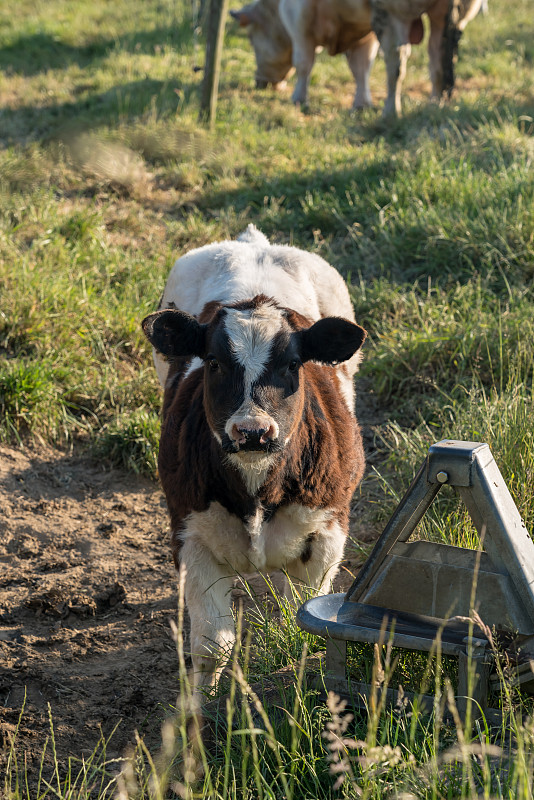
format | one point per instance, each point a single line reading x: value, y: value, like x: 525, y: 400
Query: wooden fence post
x: 216, y: 19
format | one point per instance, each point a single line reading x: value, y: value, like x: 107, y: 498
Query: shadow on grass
x: 522, y: 42
x: 131, y: 100
x: 43, y: 52
x: 40, y: 52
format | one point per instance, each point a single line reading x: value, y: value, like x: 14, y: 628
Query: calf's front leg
x: 208, y: 587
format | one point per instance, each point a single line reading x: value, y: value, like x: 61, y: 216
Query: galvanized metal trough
x: 416, y: 593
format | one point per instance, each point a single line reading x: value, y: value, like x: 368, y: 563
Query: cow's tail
x: 449, y: 45
x: 252, y: 235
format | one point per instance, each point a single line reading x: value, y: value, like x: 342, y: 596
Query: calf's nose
x: 253, y: 433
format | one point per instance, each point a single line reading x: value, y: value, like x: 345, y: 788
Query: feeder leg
x: 336, y: 663
x: 475, y: 689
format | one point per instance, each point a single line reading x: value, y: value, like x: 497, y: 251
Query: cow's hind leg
x: 440, y: 49
x: 208, y: 588
x: 435, y: 61
x: 360, y: 61
x: 394, y: 40
x: 318, y: 564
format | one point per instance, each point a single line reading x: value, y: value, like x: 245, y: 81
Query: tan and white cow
x: 286, y: 33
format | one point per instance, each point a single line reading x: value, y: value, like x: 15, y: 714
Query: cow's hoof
x: 439, y: 99
x: 302, y: 105
x: 389, y: 114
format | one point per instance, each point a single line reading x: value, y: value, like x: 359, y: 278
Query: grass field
x: 106, y: 176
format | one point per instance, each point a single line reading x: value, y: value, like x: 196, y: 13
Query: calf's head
x: 269, y: 39
x: 253, y: 354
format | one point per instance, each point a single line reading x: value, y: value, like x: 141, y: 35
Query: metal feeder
x: 413, y: 592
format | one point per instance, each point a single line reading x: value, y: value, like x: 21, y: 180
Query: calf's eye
x: 293, y: 365
x: 213, y: 364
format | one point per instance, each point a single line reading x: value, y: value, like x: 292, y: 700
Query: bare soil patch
x: 87, y: 590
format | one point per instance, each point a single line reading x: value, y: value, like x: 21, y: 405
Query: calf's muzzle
x: 252, y: 435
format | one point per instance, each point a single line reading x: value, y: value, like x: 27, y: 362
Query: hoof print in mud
x: 58, y: 603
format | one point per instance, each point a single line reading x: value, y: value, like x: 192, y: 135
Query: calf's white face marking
x: 251, y: 333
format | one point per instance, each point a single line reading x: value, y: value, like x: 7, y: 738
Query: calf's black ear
x: 174, y: 333
x: 331, y: 340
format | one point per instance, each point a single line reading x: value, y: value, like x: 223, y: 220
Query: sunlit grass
x: 501, y: 419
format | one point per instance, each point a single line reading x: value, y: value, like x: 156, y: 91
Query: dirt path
x: 87, y: 589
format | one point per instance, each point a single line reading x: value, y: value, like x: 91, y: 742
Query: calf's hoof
x: 206, y: 674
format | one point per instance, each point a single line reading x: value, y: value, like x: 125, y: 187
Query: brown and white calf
x: 260, y: 452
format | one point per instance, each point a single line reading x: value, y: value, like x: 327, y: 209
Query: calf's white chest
x: 256, y: 544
